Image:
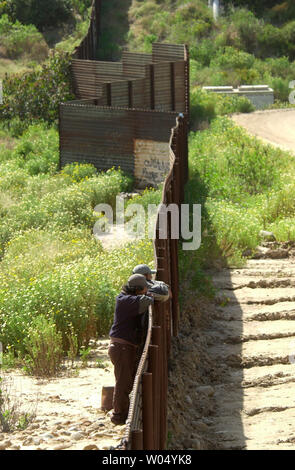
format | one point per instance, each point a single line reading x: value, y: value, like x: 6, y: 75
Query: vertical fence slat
x: 147, y: 411
x: 153, y: 368
x: 136, y: 440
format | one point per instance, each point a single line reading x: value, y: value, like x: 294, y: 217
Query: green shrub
x: 204, y: 51
x: 36, y: 95
x: 289, y: 33
x: 232, y: 58
x: 148, y: 196
x: 283, y: 229
x: 205, y: 106
x: 280, y: 66
x: 38, y: 151
x: 280, y: 204
x: 40, y: 13
x: 78, y: 171
x: 12, y: 418
x: 282, y: 12
x: 78, y: 296
x: 81, y: 6
x: 281, y: 88
x: 40, y: 201
x: 18, y: 40
x: 271, y: 42
x: 258, y: 6
x: 16, y: 126
x: 44, y: 348
x: 244, y: 186
x: 241, y: 30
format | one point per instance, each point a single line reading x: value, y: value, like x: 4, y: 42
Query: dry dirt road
x: 276, y: 127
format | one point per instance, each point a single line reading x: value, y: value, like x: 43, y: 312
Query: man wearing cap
x: 125, y: 337
x: 159, y: 289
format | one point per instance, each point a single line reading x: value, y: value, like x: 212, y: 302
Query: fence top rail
x: 77, y: 103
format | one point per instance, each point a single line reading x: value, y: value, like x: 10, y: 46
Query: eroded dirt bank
x: 232, y: 375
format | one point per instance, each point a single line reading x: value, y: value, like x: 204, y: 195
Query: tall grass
x: 244, y: 186
x: 51, y: 265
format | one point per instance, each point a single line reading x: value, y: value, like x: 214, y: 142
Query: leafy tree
x: 258, y: 6
x: 37, y: 94
x: 41, y: 13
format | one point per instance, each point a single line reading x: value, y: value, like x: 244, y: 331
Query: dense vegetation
x: 51, y: 265
x: 244, y: 187
x: 241, y: 48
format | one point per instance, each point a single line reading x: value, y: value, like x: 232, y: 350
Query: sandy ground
x: 117, y: 237
x: 66, y: 408
x: 275, y: 127
x: 252, y: 338
x: 232, y: 372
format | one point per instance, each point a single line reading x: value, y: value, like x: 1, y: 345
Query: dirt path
x: 252, y: 340
x: 67, y: 408
x: 275, y: 126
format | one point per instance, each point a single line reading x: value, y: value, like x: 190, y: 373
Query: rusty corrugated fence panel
x: 89, y: 45
x: 99, y: 127
x: 136, y: 58
x: 105, y: 136
x: 180, y: 86
x: 162, y: 86
x: 164, y: 72
x: 162, y: 52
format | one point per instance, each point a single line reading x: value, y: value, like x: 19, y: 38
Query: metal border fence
x: 150, y: 82
x: 146, y: 426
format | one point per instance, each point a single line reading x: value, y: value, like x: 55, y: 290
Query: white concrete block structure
x: 261, y: 96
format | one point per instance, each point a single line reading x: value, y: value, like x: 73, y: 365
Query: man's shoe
x: 117, y: 421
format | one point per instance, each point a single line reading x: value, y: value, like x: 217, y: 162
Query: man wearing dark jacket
x: 125, y: 337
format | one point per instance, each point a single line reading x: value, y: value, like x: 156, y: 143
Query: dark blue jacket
x: 128, y: 316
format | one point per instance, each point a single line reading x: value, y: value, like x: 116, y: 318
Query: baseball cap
x: 143, y: 269
x: 137, y: 280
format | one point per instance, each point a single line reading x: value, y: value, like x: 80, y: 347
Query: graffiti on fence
x: 151, y: 162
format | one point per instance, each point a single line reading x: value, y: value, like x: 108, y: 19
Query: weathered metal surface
x: 160, y: 90
x: 151, y: 162
x: 88, y: 47
x: 108, y: 137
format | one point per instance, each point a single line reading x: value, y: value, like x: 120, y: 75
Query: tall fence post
x: 153, y: 368
x: 152, y: 86
x: 136, y: 440
x: 172, y: 85
x: 147, y: 411
x: 130, y: 94
x: 109, y: 94
x: 156, y: 340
